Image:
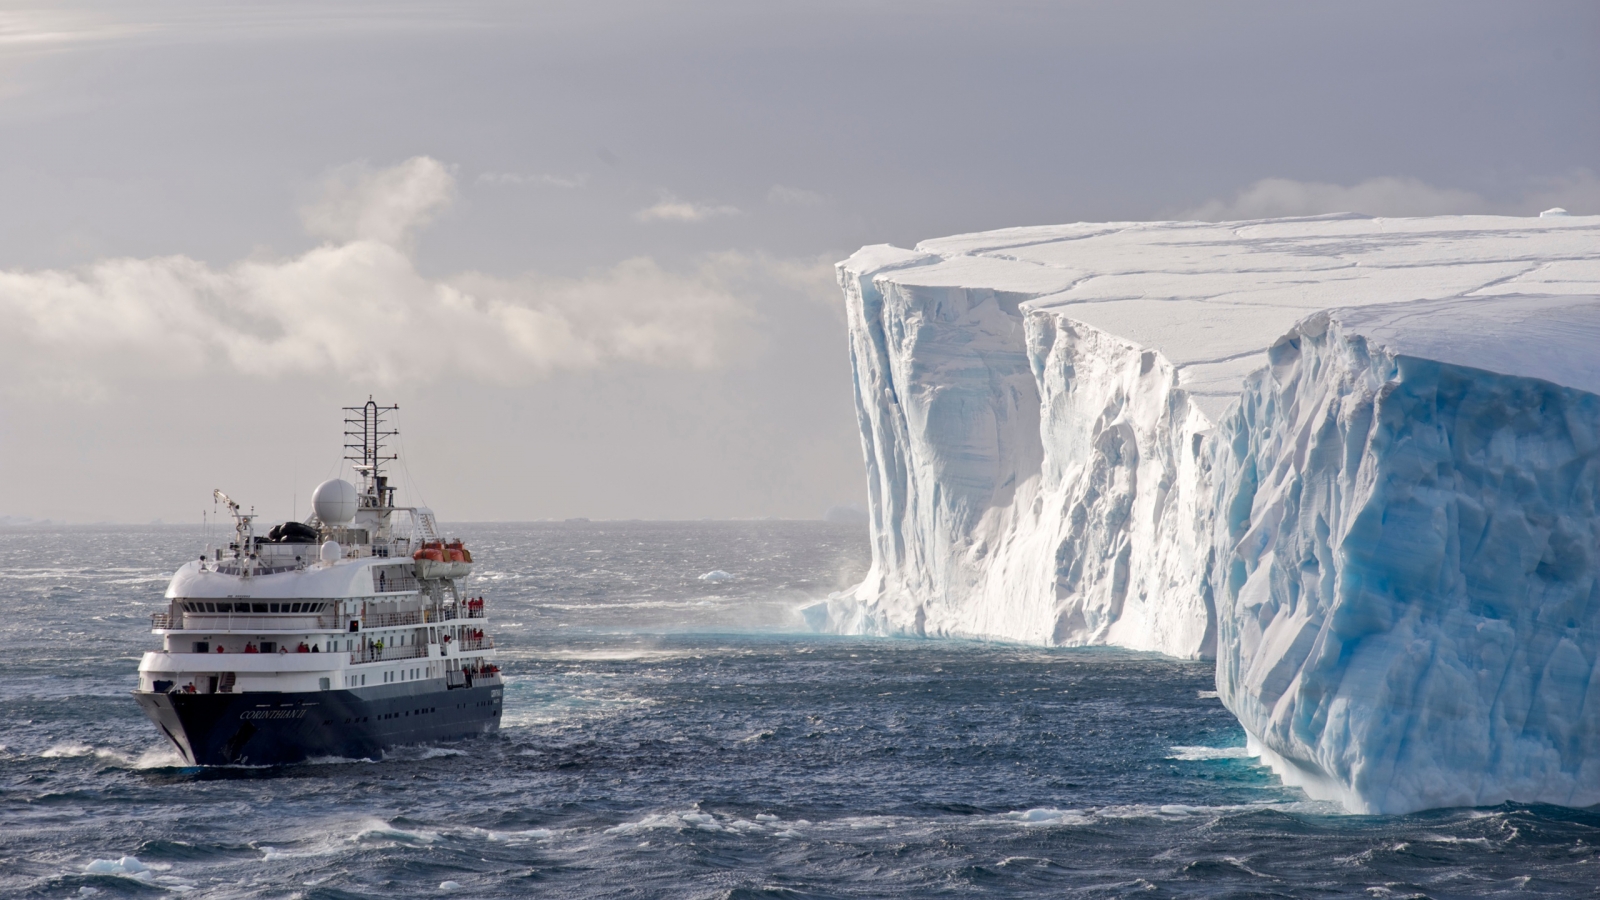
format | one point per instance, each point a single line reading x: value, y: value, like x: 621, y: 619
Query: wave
x: 164, y: 756
x: 1194, y: 754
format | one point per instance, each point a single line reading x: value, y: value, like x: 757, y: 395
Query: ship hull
x: 277, y: 728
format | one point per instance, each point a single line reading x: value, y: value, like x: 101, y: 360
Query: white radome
x: 335, y: 501
x: 331, y: 551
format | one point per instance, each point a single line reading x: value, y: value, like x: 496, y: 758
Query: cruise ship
x: 340, y: 636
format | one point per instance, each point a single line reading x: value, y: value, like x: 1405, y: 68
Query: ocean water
x: 670, y: 737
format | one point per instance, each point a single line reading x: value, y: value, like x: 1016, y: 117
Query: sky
x: 587, y: 247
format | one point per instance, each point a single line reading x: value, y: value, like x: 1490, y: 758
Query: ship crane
x: 241, y: 523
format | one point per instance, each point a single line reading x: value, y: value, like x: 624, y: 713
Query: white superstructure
x: 361, y: 593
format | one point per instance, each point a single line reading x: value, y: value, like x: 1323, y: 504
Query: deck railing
x: 372, y: 654
x: 385, y: 620
x: 449, y: 613
x: 236, y: 621
x: 231, y: 621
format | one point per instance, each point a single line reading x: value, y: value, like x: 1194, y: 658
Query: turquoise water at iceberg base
x: 670, y: 737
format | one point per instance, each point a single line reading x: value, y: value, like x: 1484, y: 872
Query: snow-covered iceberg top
x: 1068, y: 429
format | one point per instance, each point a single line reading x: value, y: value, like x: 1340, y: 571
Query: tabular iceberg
x: 1354, y: 459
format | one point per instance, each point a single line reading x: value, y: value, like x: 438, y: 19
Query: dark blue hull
x: 265, y: 729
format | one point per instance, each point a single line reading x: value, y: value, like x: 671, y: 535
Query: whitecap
x: 1195, y: 754
x: 686, y: 819
x: 383, y: 831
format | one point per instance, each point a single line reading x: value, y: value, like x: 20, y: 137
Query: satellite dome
x: 335, y: 502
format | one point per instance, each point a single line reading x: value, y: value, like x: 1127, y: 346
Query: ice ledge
x: 1555, y: 338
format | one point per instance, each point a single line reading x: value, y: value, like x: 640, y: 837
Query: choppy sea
x: 667, y: 736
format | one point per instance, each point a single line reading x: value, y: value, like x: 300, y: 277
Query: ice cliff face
x: 1096, y: 434
x: 1409, y: 588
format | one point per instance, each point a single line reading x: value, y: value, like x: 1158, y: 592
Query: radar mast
x: 364, y: 443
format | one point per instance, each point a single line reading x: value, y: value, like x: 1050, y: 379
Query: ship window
x: 363, y: 679
x: 210, y: 607
x: 257, y: 607
x: 272, y: 607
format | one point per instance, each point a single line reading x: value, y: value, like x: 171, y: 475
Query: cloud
x: 789, y: 196
x: 47, y: 28
x: 1578, y: 191
x: 671, y: 209
x: 512, y: 178
x: 356, y: 307
x: 358, y: 202
x: 1273, y: 197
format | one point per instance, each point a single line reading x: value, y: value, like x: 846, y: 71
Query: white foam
x: 162, y: 756
x: 1193, y: 754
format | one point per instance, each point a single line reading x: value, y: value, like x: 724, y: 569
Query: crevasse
x: 1250, y: 441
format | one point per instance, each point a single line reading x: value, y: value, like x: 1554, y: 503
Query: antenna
x: 364, y: 439
x: 245, y: 545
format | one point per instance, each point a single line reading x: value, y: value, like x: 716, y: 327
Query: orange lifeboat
x: 438, y: 559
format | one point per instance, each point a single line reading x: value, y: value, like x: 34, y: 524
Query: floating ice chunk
x: 845, y: 515
x: 715, y: 576
x: 126, y: 867
x: 1552, y: 212
x: 1044, y: 817
x: 448, y: 886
